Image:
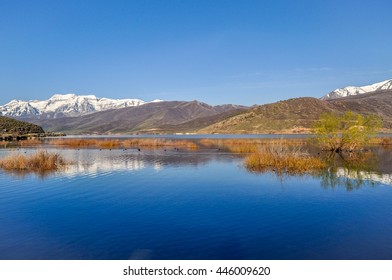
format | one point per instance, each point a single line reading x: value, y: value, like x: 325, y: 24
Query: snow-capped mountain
x: 352, y: 90
x: 60, y: 105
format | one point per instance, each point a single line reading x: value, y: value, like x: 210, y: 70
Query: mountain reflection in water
x: 95, y: 161
x: 377, y: 169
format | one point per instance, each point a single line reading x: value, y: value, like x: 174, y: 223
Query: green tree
x: 348, y: 131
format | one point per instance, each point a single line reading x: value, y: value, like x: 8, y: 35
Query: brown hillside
x: 292, y: 115
x: 298, y: 115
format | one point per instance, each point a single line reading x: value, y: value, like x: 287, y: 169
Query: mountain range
x: 155, y: 117
x: 89, y: 114
x: 66, y: 105
x: 355, y: 90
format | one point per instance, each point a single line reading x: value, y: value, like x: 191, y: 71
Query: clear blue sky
x: 244, y: 52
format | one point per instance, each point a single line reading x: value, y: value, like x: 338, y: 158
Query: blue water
x: 187, y: 205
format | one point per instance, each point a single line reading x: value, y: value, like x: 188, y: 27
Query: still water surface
x: 190, y: 205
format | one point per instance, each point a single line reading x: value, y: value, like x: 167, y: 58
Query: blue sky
x: 243, y: 52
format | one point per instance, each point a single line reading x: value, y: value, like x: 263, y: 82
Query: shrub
x: 348, y: 131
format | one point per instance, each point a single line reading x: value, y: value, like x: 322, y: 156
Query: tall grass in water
x: 30, y: 142
x: 246, y: 145
x: 159, y: 143
x: 40, y: 161
x: 108, y: 144
x: 151, y: 143
x: 281, y: 158
x: 384, y: 141
x: 73, y: 143
x: 84, y: 143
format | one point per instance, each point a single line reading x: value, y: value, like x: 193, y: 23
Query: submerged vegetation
x: 40, y: 162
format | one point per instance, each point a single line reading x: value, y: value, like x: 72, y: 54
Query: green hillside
x: 12, y: 126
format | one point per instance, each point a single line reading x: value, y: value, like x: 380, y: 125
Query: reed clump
x: 247, y: 145
x: 74, y: 143
x: 159, y: 143
x: 150, y: 143
x: 282, y: 158
x: 107, y: 144
x: 242, y: 145
x: 84, y: 143
x: 40, y: 161
x: 386, y: 141
x: 30, y: 142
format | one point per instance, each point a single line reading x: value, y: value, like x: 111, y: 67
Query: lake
x: 157, y: 204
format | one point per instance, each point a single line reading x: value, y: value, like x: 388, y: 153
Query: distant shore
x: 18, y: 137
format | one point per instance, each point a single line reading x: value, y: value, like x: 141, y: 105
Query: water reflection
x: 192, y: 205
x: 95, y: 161
x: 368, y: 170
x: 365, y: 176
x: 353, y: 171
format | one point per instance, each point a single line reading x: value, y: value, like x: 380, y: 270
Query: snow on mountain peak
x: 354, y: 90
x: 62, y: 96
x: 65, y: 105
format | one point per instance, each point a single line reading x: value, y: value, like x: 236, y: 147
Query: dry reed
x: 40, y: 161
x: 282, y: 158
x: 107, y: 144
x: 151, y: 143
x: 73, y: 143
x: 247, y: 145
x: 30, y: 142
x: 159, y: 143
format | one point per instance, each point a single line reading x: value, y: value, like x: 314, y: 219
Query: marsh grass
x: 159, y: 143
x: 384, y: 141
x: 40, y: 162
x: 151, y: 143
x: 85, y: 143
x: 30, y: 142
x: 283, y: 159
x: 247, y: 145
x: 107, y: 144
x: 74, y: 143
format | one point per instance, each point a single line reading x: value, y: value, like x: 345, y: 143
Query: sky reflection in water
x: 191, y: 205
